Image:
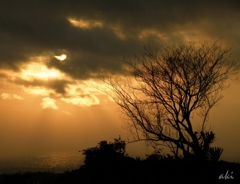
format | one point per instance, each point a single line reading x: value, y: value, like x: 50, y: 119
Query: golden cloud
x: 48, y: 103
x: 83, y: 101
x: 9, y: 96
x: 67, y: 113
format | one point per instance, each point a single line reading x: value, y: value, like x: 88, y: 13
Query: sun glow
x: 61, y: 57
x: 85, y: 24
x: 40, y: 71
x: 44, y: 74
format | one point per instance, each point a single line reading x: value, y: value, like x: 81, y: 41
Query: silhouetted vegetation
x: 214, y: 153
x: 165, y: 88
x: 106, y: 154
x: 108, y: 163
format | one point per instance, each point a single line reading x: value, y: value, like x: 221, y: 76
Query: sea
x: 58, y: 162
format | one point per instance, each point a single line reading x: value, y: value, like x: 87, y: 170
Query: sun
x: 61, y: 57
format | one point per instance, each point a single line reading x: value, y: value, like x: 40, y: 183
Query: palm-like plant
x: 214, y: 153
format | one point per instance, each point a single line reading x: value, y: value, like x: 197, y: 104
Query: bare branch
x: 164, y: 88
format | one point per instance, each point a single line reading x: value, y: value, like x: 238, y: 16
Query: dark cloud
x: 32, y: 28
x: 59, y: 86
x: 2, y: 75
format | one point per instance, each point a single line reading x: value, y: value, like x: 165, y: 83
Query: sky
x: 54, y: 53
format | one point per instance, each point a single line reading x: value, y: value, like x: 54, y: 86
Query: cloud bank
x: 69, y: 42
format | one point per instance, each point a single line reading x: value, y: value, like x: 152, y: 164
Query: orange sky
x: 34, y: 120
x: 53, y: 55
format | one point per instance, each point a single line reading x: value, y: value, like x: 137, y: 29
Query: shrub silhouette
x: 105, y: 154
x: 108, y: 163
x: 155, y: 156
x: 214, y: 153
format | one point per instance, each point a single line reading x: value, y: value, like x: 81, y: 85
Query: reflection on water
x: 53, y: 162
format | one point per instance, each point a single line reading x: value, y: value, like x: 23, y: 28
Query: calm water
x: 53, y: 162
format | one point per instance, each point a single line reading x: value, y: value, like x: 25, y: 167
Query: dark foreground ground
x: 136, y: 171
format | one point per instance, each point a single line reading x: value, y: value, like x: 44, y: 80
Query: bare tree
x: 165, y: 88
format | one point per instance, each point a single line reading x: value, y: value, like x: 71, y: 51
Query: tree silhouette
x: 164, y: 89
